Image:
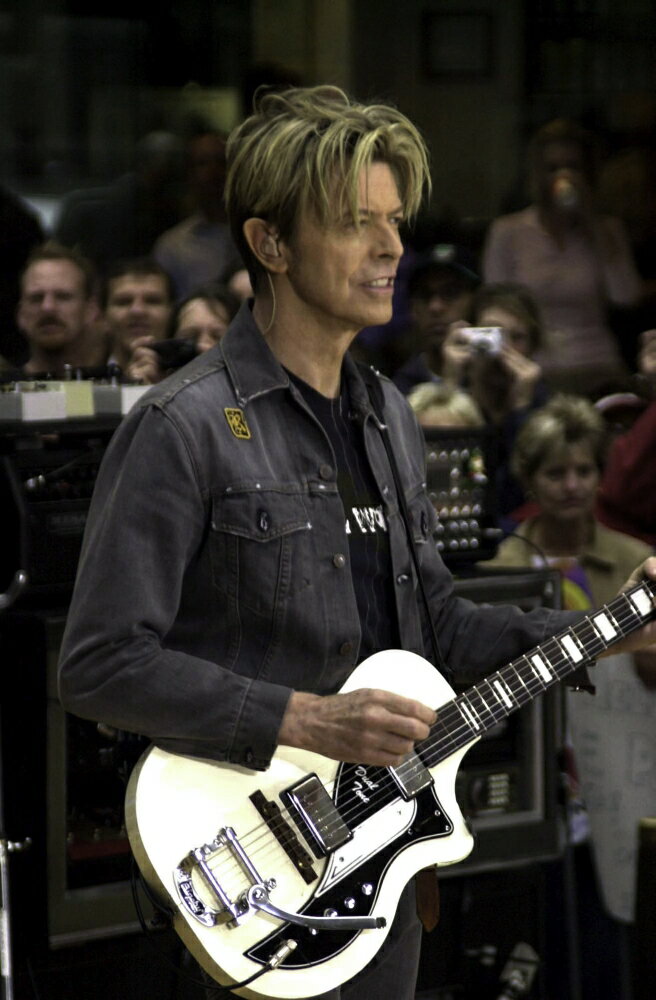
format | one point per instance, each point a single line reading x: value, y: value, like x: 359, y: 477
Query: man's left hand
x: 646, y: 635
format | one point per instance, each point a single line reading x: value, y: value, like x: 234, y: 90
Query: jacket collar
x: 254, y: 370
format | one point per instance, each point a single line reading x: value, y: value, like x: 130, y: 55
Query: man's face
x: 341, y: 277
x: 441, y: 297
x: 137, y: 306
x: 53, y: 310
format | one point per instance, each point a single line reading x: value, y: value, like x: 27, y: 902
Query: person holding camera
x: 197, y: 323
x: 439, y: 290
x: 137, y: 305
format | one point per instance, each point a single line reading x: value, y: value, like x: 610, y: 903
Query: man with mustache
x: 57, y: 311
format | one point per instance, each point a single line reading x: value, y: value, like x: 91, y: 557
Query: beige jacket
x: 608, y: 560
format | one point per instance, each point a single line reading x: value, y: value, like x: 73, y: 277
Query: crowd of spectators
x: 149, y: 256
x: 553, y: 279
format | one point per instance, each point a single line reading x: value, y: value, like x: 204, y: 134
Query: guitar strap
x: 426, y: 885
x: 377, y: 401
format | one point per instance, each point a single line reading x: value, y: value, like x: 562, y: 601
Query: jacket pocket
x: 261, y: 547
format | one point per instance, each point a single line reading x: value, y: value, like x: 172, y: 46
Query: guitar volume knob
x: 367, y: 889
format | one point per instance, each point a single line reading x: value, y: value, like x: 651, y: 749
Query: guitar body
x: 296, y: 872
x: 177, y: 804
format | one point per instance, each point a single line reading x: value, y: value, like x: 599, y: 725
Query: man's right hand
x: 368, y: 726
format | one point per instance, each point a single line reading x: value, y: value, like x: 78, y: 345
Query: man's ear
x: 266, y: 245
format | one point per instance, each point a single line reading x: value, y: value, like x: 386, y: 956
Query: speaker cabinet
x: 507, y: 785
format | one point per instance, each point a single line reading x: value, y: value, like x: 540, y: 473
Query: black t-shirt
x: 366, y: 527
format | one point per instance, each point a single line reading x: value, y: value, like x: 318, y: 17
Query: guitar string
x: 451, y: 708
x: 533, y: 684
x: 623, y: 615
x: 448, y: 738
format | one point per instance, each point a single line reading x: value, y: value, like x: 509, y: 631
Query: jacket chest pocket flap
x: 261, y: 543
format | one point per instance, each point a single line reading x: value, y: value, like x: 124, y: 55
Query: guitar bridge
x: 231, y: 911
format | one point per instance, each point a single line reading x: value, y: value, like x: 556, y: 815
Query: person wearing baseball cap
x: 440, y: 286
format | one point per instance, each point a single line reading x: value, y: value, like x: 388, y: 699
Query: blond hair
x: 447, y: 397
x: 563, y: 421
x: 303, y: 149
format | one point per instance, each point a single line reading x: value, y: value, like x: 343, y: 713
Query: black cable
x: 135, y: 880
x: 531, y: 544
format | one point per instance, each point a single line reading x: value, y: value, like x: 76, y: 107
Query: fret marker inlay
x: 604, y: 626
x: 541, y: 668
x: 642, y: 601
x: 473, y: 723
x: 501, y: 690
x: 571, y: 649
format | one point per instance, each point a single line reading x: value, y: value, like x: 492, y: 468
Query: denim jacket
x: 214, y: 577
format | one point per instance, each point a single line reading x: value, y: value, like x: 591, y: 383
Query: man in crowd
x: 58, y: 312
x: 245, y: 548
x: 200, y: 249
x: 138, y: 301
x: 440, y: 288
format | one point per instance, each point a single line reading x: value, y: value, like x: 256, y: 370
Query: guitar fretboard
x: 488, y: 702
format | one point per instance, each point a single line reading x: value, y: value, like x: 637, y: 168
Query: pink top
x: 572, y: 285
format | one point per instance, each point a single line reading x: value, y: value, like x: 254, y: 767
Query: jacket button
x: 402, y: 578
x: 326, y: 471
x: 263, y: 520
x: 249, y: 757
x: 339, y: 560
x: 346, y: 648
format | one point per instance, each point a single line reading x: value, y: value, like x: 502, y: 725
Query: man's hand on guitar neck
x: 645, y: 636
x: 368, y: 726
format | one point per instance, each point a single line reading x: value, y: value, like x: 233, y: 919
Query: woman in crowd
x: 198, y: 323
x: 439, y: 404
x: 576, y: 261
x: 504, y: 379
x: 559, y: 456
x: 627, y: 497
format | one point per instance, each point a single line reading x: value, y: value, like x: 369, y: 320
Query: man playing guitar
x: 248, y: 545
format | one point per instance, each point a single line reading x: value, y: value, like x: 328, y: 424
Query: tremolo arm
x: 233, y: 911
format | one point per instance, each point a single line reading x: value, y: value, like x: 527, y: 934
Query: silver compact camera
x: 483, y: 339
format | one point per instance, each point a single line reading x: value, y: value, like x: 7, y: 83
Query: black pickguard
x: 430, y: 821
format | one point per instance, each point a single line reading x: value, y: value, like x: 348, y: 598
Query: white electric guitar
x: 289, y: 878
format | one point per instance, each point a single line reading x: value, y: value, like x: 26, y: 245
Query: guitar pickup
x: 411, y: 776
x: 316, y: 816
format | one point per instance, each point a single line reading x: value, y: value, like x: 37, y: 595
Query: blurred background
x: 83, y: 85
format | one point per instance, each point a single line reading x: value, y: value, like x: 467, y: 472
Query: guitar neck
x: 488, y: 702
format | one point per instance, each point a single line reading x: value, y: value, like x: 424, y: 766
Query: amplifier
x: 461, y: 464
x: 47, y: 474
x: 508, y: 783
